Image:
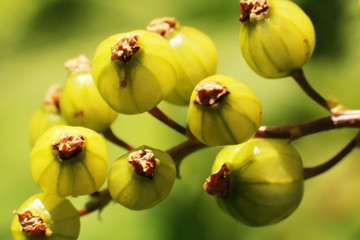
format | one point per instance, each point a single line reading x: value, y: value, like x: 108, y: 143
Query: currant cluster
x: 256, y: 180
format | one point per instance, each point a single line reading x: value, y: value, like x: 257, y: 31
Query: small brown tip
x: 52, y: 97
x: 210, y: 93
x: 163, y: 26
x: 125, y: 47
x: 78, y: 64
x: 219, y: 183
x: 253, y: 10
x: 68, y: 145
x: 143, y: 162
x: 33, y: 226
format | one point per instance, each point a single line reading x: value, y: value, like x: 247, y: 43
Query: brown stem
x: 157, y: 113
x: 300, y: 78
x: 109, y: 135
x: 179, y: 152
x: 98, y: 201
x: 348, y: 119
x: 317, y: 170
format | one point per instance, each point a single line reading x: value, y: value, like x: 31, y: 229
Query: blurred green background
x: 37, y: 36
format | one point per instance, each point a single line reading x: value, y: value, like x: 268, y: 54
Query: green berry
x: 142, y: 178
x: 47, y: 116
x: 69, y: 161
x: 259, y: 182
x: 276, y: 37
x: 134, y: 71
x: 223, y: 111
x: 80, y: 102
x: 46, y: 216
x: 195, y: 52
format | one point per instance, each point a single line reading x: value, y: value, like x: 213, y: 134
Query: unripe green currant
x: 195, y: 52
x: 142, y: 178
x: 223, y: 111
x: 69, y: 161
x: 46, y: 216
x: 48, y: 115
x: 276, y: 37
x: 80, y: 101
x: 259, y: 182
x: 134, y: 71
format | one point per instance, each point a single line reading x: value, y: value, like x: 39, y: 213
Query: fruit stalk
x: 98, y: 201
x: 347, y: 119
x: 317, y: 170
x: 157, y: 113
x: 301, y: 80
x: 179, y: 152
x: 109, y: 135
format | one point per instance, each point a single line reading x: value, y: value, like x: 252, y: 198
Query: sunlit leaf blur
x: 38, y: 36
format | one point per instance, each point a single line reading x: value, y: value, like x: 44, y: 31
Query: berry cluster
x: 256, y: 178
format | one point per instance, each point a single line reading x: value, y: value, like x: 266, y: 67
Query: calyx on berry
x: 33, y: 226
x: 80, y: 101
x: 223, y: 111
x: 69, y: 161
x: 48, y: 115
x: 134, y: 71
x: 142, y: 178
x: 276, y: 37
x: 259, y: 182
x: 46, y: 216
x: 125, y: 47
x: 195, y: 52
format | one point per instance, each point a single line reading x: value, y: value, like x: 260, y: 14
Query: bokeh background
x: 37, y: 36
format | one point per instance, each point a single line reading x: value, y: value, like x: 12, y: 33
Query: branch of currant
x: 338, y: 119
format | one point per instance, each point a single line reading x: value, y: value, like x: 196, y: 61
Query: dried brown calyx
x: 144, y: 162
x: 219, y: 183
x: 163, y: 26
x: 210, y: 93
x: 78, y: 64
x: 253, y: 10
x: 52, y: 97
x: 68, y: 145
x: 125, y: 48
x: 34, y: 226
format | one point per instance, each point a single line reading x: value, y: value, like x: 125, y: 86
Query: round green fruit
x: 223, y: 111
x: 142, y: 178
x: 43, y: 119
x: 47, y: 116
x: 276, y: 37
x: 259, y: 182
x: 69, y: 161
x: 80, y: 102
x: 46, y: 216
x: 195, y: 52
x: 134, y: 71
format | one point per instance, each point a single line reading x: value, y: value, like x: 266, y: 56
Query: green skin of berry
x: 82, y: 105
x: 266, y: 181
x: 234, y: 120
x: 80, y: 175
x: 197, y: 57
x: 58, y: 213
x: 43, y: 119
x: 151, y: 73
x: 138, y: 192
x: 280, y: 43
